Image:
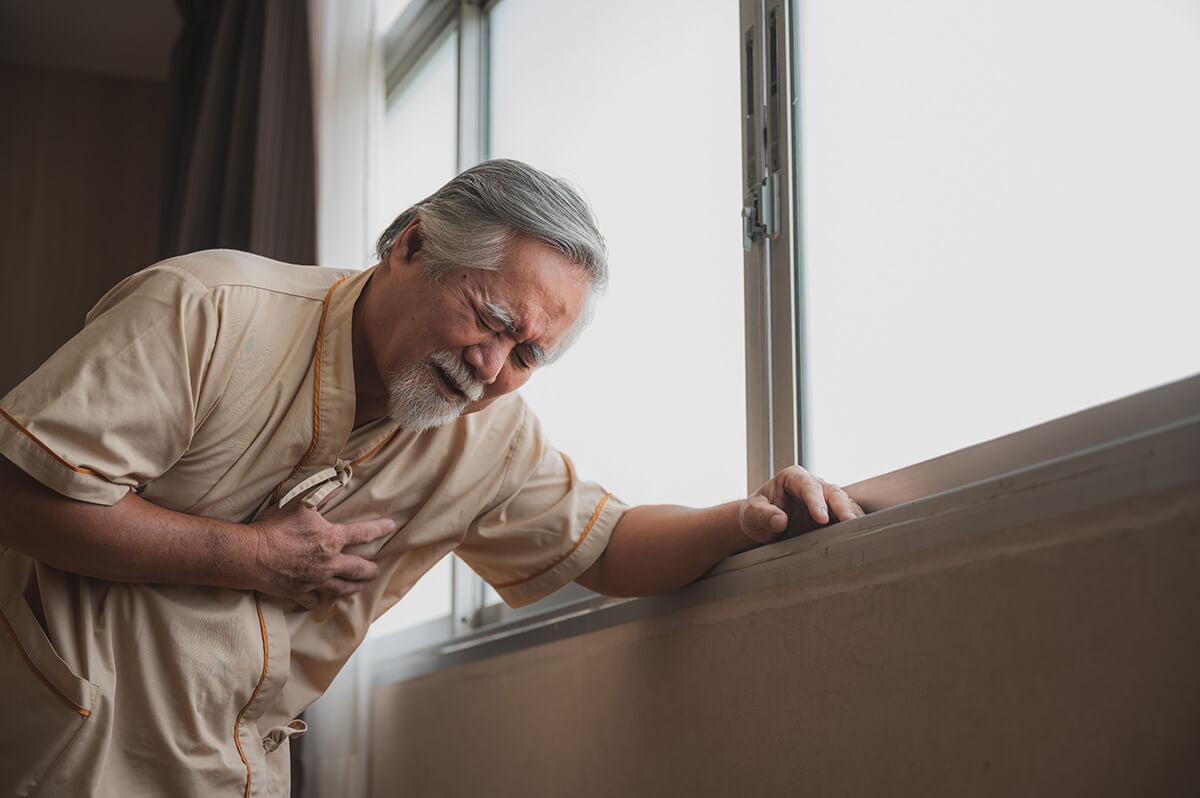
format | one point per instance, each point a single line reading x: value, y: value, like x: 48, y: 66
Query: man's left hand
x: 794, y: 501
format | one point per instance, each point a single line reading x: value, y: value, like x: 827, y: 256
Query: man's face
x: 453, y: 345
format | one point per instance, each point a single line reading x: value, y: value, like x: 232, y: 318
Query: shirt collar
x: 333, y: 363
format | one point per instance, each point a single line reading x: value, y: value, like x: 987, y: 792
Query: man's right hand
x: 293, y: 553
x: 301, y: 556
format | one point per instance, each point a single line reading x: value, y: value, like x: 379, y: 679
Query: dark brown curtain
x: 240, y: 158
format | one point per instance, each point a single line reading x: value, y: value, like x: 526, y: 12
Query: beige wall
x: 1057, y: 658
x: 81, y: 158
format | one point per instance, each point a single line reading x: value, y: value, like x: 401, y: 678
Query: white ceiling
x: 129, y: 38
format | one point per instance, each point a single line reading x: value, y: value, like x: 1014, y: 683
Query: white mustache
x: 459, y: 373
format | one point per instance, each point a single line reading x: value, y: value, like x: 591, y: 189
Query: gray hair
x: 469, y: 221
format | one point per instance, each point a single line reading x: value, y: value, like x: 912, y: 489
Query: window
x: 671, y: 318
x: 958, y: 221
x: 418, y: 151
x: 470, y: 84
x: 645, y: 125
x: 1000, y: 217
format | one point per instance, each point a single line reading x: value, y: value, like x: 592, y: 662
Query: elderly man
x: 238, y: 464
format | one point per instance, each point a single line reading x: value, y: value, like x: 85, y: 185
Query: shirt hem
x: 35, y: 458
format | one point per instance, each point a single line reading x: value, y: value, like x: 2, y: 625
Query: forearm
x: 130, y: 541
x: 658, y: 548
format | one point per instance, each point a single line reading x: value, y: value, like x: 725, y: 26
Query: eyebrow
x: 500, y: 315
x: 504, y: 318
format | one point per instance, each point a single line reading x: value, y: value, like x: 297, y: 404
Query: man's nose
x: 487, y: 359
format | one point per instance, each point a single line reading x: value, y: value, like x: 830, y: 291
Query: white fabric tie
x: 325, y: 481
x: 287, y: 731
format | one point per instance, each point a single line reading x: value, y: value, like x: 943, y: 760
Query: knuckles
x: 305, y: 559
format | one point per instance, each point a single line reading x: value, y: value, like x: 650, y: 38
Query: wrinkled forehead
x: 537, y: 294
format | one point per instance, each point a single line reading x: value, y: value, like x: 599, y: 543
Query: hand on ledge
x: 794, y: 501
x: 656, y: 547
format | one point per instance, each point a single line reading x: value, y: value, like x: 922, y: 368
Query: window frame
x: 771, y: 240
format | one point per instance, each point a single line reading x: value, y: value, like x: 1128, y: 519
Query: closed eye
x: 531, y: 356
x: 496, y: 320
x: 482, y: 321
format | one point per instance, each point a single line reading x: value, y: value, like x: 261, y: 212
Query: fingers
x: 367, y: 531
x: 820, y: 497
x: 354, y: 569
x: 341, y: 587
x: 310, y: 600
x: 844, y: 507
x: 353, y: 582
x: 808, y: 490
x: 765, y: 515
x: 761, y: 520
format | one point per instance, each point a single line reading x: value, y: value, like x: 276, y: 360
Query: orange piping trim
x: 554, y: 564
x: 13, y: 633
x: 47, y: 449
x: 262, y: 625
x: 567, y: 463
x: 316, y: 389
x: 382, y: 443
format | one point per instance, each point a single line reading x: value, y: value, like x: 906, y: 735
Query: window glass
x: 1000, y: 222
x: 637, y: 104
x: 419, y: 152
x: 418, y: 156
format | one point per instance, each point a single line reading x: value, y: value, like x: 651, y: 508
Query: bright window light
x: 1002, y: 216
x: 419, y: 151
x: 637, y: 104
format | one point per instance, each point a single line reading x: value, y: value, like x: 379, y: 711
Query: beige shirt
x: 209, y: 384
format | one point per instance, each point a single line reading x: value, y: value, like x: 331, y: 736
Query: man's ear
x: 407, y: 245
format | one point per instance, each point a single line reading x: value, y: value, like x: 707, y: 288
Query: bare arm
x: 658, y: 548
x: 293, y: 553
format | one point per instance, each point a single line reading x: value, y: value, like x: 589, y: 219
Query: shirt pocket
x: 46, y: 704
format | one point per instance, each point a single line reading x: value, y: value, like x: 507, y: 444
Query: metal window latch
x: 760, y: 215
x: 752, y: 229
x: 765, y: 133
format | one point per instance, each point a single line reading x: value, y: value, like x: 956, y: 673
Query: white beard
x: 413, y: 398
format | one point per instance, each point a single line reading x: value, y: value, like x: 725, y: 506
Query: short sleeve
x: 546, y: 527
x: 117, y: 404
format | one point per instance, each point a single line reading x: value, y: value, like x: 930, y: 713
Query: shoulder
x: 509, y: 418
x: 486, y: 443
x: 222, y: 268
x: 511, y: 431
x: 216, y: 275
